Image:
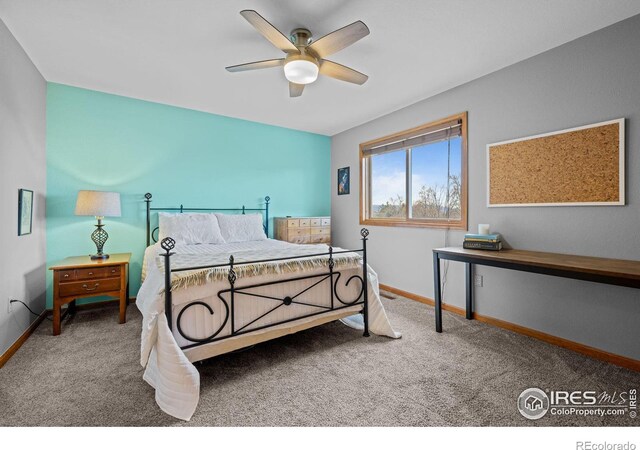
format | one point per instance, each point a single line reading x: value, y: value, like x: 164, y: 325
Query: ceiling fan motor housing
x: 301, y: 37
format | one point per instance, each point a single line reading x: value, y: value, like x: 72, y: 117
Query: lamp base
x: 99, y: 237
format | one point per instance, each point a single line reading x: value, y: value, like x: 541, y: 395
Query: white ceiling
x: 175, y: 51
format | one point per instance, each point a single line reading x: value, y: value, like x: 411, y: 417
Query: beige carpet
x: 469, y: 375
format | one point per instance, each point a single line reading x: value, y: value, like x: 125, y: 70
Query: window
x: 417, y: 177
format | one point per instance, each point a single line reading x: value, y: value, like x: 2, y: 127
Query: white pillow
x: 190, y: 228
x: 241, y: 227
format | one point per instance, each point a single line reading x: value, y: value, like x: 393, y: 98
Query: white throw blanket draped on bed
x: 169, y: 371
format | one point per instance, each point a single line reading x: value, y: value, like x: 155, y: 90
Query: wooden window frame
x: 365, y: 181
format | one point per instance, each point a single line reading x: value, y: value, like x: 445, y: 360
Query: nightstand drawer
x: 99, y: 272
x: 293, y: 223
x: 304, y: 222
x: 321, y: 230
x: 67, y: 275
x: 316, y: 222
x: 89, y: 287
x: 326, y: 222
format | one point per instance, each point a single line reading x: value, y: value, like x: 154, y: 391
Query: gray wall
x: 591, y: 79
x: 22, y: 161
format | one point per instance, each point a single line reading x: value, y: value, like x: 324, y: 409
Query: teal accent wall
x: 108, y: 142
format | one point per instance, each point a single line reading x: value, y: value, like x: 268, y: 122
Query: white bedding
x: 170, y: 370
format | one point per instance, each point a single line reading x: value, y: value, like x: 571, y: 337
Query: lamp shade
x: 98, y: 203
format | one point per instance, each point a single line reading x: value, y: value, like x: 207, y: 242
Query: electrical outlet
x: 478, y: 280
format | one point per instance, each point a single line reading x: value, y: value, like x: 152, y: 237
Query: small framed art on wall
x: 344, y: 181
x: 25, y: 211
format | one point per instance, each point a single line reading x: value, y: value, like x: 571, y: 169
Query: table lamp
x: 99, y: 204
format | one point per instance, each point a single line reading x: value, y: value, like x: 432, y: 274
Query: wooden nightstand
x: 80, y: 276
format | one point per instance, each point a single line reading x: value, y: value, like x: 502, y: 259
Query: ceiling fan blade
x: 270, y: 32
x: 339, y: 39
x: 295, y: 90
x: 256, y: 65
x: 340, y: 72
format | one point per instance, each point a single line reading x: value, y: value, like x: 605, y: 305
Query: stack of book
x: 482, y: 241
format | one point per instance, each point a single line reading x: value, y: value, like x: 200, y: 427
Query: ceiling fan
x: 306, y: 57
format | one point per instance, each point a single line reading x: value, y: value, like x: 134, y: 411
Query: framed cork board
x: 575, y: 167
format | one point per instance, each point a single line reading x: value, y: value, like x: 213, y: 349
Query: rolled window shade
x: 430, y: 135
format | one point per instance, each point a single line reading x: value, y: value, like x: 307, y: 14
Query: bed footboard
x: 228, y: 296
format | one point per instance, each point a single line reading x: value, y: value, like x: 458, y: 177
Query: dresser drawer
x: 304, y: 222
x: 320, y: 239
x: 303, y: 239
x: 320, y: 230
x: 98, y: 272
x: 299, y: 232
x: 326, y: 221
x: 316, y: 222
x: 89, y: 287
x: 293, y: 223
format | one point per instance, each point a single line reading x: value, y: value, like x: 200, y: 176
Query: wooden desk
x: 620, y: 272
x: 80, y: 276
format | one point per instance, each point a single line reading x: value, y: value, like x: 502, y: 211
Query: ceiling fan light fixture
x: 301, y: 70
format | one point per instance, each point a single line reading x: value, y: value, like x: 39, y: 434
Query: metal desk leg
x: 469, y: 283
x: 437, y: 291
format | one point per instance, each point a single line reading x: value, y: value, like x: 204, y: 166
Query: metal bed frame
x: 330, y: 276
x: 150, y: 232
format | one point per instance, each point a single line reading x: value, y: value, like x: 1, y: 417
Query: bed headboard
x: 242, y: 209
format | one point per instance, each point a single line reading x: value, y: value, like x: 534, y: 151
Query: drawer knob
x: 87, y: 288
x: 66, y: 275
x: 113, y: 270
x: 90, y: 273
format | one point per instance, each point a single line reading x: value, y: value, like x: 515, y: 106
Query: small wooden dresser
x: 303, y: 230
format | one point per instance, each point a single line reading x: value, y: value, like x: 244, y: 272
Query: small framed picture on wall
x: 25, y: 211
x: 344, y: 181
